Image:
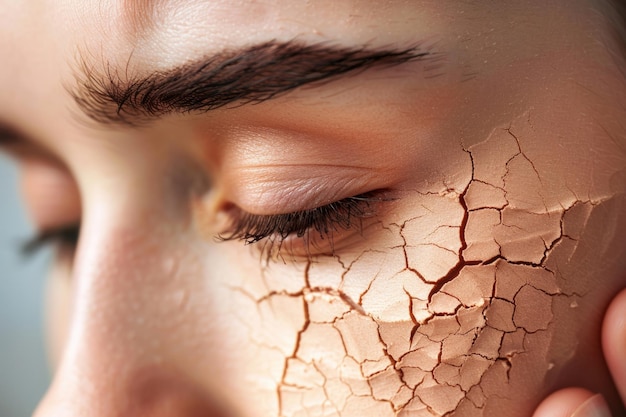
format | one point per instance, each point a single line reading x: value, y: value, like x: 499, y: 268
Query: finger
x: 614, y: 341
x: 595, y: 406
x: 563, y: 403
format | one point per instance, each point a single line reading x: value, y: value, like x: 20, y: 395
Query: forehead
x: 166, y: 31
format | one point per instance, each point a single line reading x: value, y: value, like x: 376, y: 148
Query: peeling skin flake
x: 533, y: 311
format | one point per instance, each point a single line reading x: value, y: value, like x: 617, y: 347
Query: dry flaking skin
x: 473, y: 309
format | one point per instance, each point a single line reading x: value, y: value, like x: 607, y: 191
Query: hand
x: 579, y: 402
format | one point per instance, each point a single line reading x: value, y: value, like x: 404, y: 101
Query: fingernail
x: 595, y: 406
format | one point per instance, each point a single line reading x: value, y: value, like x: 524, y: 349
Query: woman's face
x: 323, y: 208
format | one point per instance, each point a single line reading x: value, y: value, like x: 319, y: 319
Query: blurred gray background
x: 24, y: 373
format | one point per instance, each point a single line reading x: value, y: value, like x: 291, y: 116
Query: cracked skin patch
x: 467, y: 312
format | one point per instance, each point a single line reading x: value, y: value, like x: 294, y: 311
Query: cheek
x: 478, y: 300
x: 312, y: 346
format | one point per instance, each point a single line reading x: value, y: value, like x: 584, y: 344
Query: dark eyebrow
x: 232, y: 77
x: 9, y: 136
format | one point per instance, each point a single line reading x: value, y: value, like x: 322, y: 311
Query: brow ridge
x: 232, y: 78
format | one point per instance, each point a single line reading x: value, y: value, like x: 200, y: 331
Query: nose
x: 129, y: 350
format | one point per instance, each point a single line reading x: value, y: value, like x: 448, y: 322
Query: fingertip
x: 563, y: 403
x: 614, y: 341
x: 595, y: 406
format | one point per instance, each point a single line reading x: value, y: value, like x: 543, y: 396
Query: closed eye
x: 65, y: 237
x: 319, y: 223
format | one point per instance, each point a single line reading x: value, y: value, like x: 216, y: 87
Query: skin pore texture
x: 491, y: 170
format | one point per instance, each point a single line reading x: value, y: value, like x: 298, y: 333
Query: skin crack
x: 446, y: 339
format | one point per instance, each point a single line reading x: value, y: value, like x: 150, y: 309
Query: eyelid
x: 50, y: 192
x: 286, y: 189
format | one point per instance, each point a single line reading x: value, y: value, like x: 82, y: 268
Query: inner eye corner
x: 225, y: 206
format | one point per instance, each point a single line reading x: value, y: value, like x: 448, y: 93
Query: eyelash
x: 66, y: 237
x: 324, y: 221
